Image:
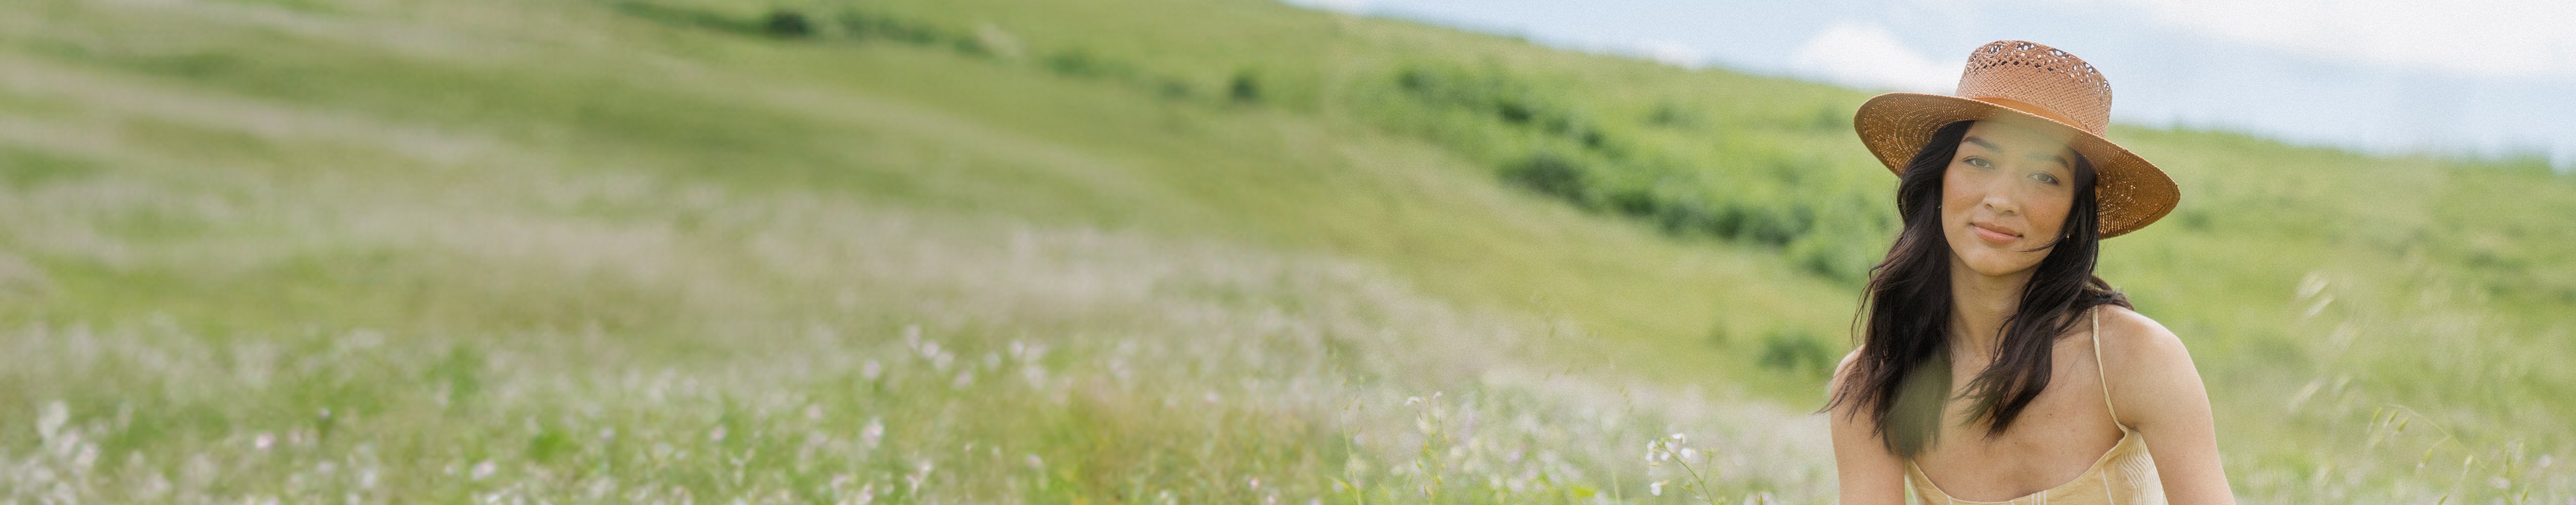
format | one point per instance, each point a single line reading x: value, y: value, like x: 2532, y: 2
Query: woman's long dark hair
x: 1902, y: 376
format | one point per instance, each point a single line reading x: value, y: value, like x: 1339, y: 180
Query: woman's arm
x: 1869, y: 474
x: 2158, y: 392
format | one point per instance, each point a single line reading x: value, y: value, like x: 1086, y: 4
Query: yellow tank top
x: 2124, y: 475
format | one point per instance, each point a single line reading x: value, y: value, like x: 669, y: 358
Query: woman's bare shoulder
x: 2131, y: 339
x: 1834, y: 385
x: 2147, y: 365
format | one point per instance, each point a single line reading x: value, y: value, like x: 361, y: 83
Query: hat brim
x: 2130, y: 192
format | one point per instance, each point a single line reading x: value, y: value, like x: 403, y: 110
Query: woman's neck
x: 1979, y: 305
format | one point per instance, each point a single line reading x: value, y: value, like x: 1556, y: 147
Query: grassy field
x: 1101, y: 251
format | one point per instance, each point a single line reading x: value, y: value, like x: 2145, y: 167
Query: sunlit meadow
x: 1100, y: 251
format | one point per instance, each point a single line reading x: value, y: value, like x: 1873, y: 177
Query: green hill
x: 1101, y: 251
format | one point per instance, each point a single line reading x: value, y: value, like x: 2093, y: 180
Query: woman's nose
x: 2001, y: 200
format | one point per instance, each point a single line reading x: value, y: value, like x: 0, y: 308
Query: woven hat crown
x: 2043, y: 76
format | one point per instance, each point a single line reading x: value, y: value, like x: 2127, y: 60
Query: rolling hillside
x: 1101, y: 251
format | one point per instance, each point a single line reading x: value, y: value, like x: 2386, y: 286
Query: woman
x: 1993, y: 366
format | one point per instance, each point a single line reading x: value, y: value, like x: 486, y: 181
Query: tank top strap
x: 2098, y: 372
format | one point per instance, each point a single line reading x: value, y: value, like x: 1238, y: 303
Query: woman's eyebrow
x: 2059, y: 159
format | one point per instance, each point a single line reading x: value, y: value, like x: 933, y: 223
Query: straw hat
x: 2037, y: 86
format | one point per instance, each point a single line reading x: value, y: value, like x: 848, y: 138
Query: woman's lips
x: 1993, y: 235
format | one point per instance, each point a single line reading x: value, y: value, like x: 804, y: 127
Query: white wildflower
x: 921, y: 474
x: 51, y: 420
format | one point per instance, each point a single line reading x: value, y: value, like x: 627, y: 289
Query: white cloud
x: 2490, y: 37
x: 1866, y: 55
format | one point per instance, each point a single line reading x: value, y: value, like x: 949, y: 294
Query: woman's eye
x: 1980, y: 162
x: 2044, y: 177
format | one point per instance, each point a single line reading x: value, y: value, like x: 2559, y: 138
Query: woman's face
x: 2004, y: 198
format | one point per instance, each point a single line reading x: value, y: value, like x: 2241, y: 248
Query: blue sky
x: 2481, y: 77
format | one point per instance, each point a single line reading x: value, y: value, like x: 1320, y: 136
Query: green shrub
x: 1551, y: 174
x: 1841, y: 257
x: 1080, y: 63
x: 1795, y: 351
x: 685, y: 17
x: 1768, y: 223
x: 862, y: 25
x: 1765, y: 185
x: 1245, y: 88
x: 786, y: 24
x: 1510, y: 100
x: 1634, y: 202
x: 1682, y: 216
